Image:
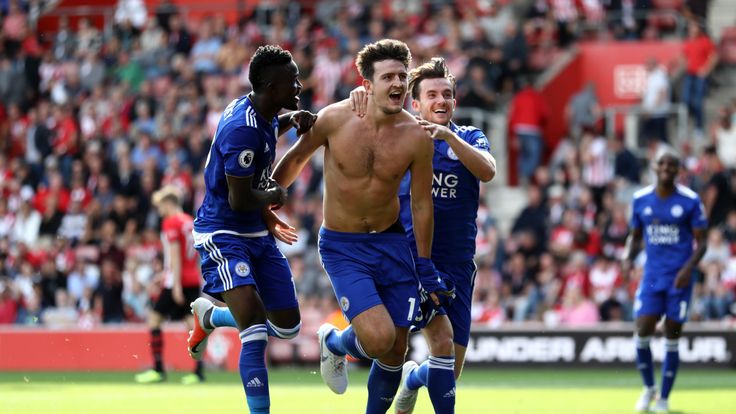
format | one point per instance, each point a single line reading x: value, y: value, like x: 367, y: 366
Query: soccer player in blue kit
x: 671, y: 220
x: 240, y: 261
x: 461, y: 160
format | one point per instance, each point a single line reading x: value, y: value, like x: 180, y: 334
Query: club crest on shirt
x: 242, y: 269
x: 245, y: 159
x: 344, y: 304
x: 451, y: 154
x: 676, y: 210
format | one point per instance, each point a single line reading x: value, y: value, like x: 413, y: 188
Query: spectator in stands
x: 63, y: 314
x: 27, y: 221
x: 699, y: 57
x: 696, y: 9
x: 131, y: 12
x: 9, y: 303
x: 88, y: 38
x: 655, y: 102
x: 724, y: 138
x: 474, y: 89
x: 714, y: 265
x: 597, y: 169
x: 164, y: 11
x: 583, y: 111
x: 717, y: 195
x: 533, y: 216
x: 577, y: 310
x: 64, y: 41
x: 528, y: 114
x: 515, y: 54
x: 565, y: 13
x: 626, y: 166
x: 108, y: 298
x: 628, y: 18
x: 179, y: 40
x: 205, y: 49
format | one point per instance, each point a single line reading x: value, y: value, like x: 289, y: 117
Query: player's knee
x: 442, y: 345
x: 378, y: 342
x: 283, y: 333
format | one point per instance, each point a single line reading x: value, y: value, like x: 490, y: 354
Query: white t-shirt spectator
x: 133, y: 10
x: 656, y: 96
x: 27, y: 225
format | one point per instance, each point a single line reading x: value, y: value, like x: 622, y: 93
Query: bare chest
x: 359, y: 154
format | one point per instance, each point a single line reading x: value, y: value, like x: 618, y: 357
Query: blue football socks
x: 253, y: 371
x: 644, y: 359
x: 220, y: 317
x: 441, y: 383
x: 669, y: 367
x: 383, y: 382
x: 345, y: 342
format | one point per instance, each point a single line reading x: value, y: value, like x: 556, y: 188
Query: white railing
x: 632, y: 122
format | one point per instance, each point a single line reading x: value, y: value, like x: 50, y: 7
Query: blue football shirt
x: 244, y: 145
x: 667, y: 226
x: 455, y: 193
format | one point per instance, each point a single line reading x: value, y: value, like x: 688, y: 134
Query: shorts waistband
x: 328, y: 234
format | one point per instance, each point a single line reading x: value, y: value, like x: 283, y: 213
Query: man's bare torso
x: 364, y: 165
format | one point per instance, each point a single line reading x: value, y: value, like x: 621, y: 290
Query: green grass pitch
x: 301, y: 391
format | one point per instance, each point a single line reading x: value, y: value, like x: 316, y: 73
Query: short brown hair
x: 168, y: 193
x: 435, y: 68
x: 386, y: 49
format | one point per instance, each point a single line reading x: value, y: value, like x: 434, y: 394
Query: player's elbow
x: 488, y: 173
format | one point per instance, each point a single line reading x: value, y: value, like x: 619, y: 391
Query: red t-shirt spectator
x: 697, y: 52
x: 66, y: 137
x: 528, y: 112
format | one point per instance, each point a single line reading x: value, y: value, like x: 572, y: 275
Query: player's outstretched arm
x: 294, y: 160
x: 476, y: 159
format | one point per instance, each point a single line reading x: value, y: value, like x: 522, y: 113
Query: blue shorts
x: 672, y: 302
x: 369, y: 269
x: 461, y: 275
x: 229, y: 261
x: 458, y: 311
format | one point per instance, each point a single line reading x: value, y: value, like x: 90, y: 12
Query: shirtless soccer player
x: 362, y: 242
x: 461, y: 160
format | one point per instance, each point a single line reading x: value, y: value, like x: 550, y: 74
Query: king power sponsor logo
x: 444, y: 185
x: 582, y: 348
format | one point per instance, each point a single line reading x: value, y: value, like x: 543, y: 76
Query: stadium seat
x: 727, y: 46
x: 664, y: 15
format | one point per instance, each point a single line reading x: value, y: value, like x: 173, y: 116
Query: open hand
x: 434, y: 131
x: 280, y: 229
x: 359, y: 101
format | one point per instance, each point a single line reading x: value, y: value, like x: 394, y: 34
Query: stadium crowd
x: 92, y: 122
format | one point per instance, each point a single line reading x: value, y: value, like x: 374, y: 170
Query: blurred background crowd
x: 93, y: 120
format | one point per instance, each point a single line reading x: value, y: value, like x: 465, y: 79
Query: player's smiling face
x: 436, y: 102
x: 667, y: 168
x: 286, y: 86
x: 388, y: 86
